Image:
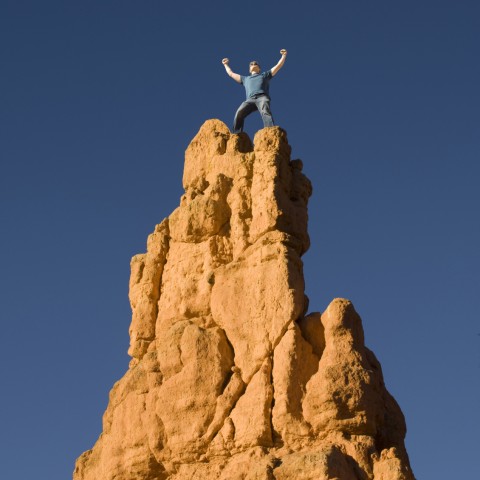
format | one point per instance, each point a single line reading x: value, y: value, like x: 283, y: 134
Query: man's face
x: 254, y: 67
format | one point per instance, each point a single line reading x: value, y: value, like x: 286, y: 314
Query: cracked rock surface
x: 230, y: 378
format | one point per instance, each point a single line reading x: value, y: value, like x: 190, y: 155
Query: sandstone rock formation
x: 230, y: 378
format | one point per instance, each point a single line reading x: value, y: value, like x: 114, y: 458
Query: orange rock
x: 229, y: 378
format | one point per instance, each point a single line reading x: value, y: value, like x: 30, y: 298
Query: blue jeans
x: 260, y: 103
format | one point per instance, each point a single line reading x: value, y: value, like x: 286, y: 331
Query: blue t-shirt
x: 257, y: 83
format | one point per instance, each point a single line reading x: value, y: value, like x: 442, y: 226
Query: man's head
x: 254, y: 67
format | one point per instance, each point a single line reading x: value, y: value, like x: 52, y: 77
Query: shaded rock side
x: 229, y: 378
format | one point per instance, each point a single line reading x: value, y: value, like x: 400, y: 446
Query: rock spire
x: 230, y: 378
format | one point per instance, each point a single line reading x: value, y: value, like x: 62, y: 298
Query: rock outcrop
x: 229, y: 377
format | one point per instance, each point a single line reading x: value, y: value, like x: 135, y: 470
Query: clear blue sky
x: 99, y: 100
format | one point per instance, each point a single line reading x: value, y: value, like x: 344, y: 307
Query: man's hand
x: 225, y: 61
x: 283, y: 52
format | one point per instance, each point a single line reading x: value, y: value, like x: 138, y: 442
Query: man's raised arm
x: 280, y: 63
x: 235, y: 76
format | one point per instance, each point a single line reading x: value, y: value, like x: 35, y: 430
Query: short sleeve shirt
x: 256, y: 84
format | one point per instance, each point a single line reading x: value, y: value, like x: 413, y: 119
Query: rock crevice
x: 230, y: 378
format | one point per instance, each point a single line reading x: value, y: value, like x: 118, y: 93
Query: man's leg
x: 245, y: 109
x: 263, y: 105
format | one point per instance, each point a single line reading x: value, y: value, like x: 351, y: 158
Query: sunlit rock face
x: 230, y: 378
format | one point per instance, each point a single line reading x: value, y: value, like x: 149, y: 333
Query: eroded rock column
x: 229, y: 378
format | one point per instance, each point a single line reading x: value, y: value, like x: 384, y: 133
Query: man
x: 256, y: 87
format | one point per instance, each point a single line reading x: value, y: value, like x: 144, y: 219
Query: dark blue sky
x: 99, y: 100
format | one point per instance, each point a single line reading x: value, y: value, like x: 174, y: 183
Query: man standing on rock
x: 256, y: 87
